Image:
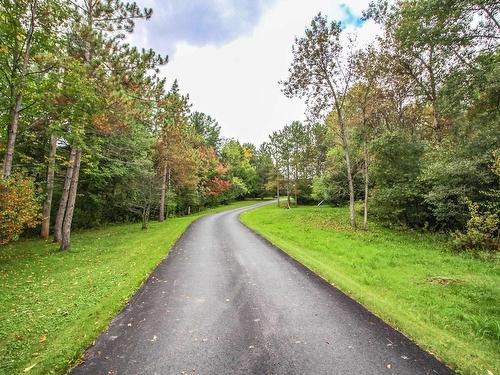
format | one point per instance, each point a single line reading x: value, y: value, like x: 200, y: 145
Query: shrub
x: 482, y: 231
x: 19, y: 208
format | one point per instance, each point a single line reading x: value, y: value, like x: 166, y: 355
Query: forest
x: 91, y: 134
x: 408, y: 126
x: 106, y: 162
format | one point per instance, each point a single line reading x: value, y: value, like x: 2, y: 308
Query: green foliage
x: 398, y: 194
x: 239, y: 161
x: 19, y: 207
x: 207, y: 128
x: 482, y: 231
x: 322, y: 189
x: 237, y: 189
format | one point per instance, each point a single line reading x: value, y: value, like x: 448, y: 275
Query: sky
x: 229, y: 55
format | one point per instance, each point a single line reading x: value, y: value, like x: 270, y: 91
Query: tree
x: 274, y: 150
x: 174, y: 117
x: 47, y: 204
x: 363, y: 113
x: 207, y: 128
x: 95, y: 39
x: 26, y: 30
x: 429, y: 39
x: 322, y: 71
x: 238, y: 160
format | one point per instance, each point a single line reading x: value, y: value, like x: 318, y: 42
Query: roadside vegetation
x: 446, y: 303
x: 54, y: 304
x: 93, y: 135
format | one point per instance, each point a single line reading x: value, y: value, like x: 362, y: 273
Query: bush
x: 19, y: 208
x: 482, y: 231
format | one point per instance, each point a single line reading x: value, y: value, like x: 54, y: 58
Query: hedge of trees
x: 89, y: 132
x: 408, y: 125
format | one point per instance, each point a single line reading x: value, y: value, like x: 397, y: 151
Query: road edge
x: 327, y: 283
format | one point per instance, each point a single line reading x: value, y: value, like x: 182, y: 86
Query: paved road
x: 227, y: 302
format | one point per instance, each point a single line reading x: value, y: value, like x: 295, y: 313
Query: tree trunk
x: 278, y: 186
x: 162, y: 195
x: 16, y: 109
x: 145, y: 216
x: 288, y: 186
x: 295, y: 187
x: 63, y: 202
x: 437, y: 126
x: 14, y: 121
x: 365, y: 172
x: 47, y: 204
x: 169, y: 178
x: 345, y: 146
x: 68, y: 217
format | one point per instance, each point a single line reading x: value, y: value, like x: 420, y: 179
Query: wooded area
x: 408, y: 125
x: 89, y: 133
x: 412, y: 122
x: 401, y: 137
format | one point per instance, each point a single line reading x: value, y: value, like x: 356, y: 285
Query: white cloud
x: 237, y: 83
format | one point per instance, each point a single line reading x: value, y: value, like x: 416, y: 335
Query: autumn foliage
x: 217, y: 186
x: 19, y: 208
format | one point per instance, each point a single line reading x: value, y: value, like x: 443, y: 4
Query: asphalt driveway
x: 225, y: 301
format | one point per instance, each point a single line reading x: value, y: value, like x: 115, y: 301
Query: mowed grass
x: 449, y: 304
x: 53, y: 305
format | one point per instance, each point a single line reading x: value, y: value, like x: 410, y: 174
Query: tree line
x: 90, y: 133
x: 408, y: 125
x: 406, y: 128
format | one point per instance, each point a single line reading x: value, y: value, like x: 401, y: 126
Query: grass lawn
x: 53, y: 304
x: 449, y: 304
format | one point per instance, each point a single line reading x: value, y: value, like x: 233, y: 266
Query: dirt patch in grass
x: 443, y: 280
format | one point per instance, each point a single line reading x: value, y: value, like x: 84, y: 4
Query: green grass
x: 449, y: 304
x: 53, y: 304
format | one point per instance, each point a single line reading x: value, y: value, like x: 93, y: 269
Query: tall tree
x: 47, y: 204
x: 174, y: 117
x: 94, y: 35
x: 322, y: 71
x: 27, y: 28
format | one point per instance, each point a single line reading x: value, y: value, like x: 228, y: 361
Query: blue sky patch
x: 349, y: 18
x: 201, y: 22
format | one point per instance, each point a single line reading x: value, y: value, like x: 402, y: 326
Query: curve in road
x: 225, y: 301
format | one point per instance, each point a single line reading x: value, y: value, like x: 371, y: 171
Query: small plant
x: 19, y: 208
x: 482, y: 231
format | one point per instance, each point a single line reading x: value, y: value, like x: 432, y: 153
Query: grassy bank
x: 53, y: 304
x: 449, y: 304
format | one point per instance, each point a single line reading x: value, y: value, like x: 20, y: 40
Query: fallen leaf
x: 490, y: 372
x: 27, y: 369
x: 43, y: 338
